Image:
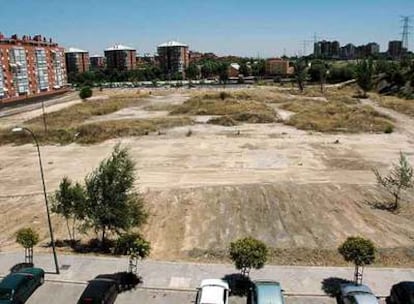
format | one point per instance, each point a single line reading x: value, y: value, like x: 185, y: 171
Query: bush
x: 389, y: 129
x: 248, y: 253
x: 85, y: 92
x: 27, y: 237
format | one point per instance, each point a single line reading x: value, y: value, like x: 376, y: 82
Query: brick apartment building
x: 29, y: 67
x: 77, y: 60
x: 395, y: 49
x: 278, y: 66
x: 174, y: 58
x: 97, y: 62
x: 120, y: 57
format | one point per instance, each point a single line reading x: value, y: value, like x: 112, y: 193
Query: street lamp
x: 22, y: 129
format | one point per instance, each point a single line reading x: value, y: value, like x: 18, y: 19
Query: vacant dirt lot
x: 288, y: 187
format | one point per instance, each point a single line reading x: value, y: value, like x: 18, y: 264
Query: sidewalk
x: 187, y: 276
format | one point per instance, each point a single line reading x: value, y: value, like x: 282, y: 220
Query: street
x: 69, y: 293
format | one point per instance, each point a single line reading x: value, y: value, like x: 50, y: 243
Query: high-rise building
x: 30, y: 67
x: 173, y: 58
x: 326, y: 49
x: 348, y: 51
x: 120, y: 57
x: 97, y: 62
x: 77, y: 60
x: 395, y: 49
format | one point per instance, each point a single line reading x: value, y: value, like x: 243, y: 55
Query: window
x: 18, y: 66
x: 41, y: 69
x: 1, y: 82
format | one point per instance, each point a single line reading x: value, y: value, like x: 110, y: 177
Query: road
x: 186, y: 277
x: 69, y: 293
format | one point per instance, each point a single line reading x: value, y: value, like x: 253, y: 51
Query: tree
x: 398, y: 179
x: 301, y: 73
x: 69, y: 201
x: 85, y: 92
x: 248, y: 253
x: 244, y: 70
x: 223, y: 73
x: 363, y: 74
x: 112, y: 205
x: 28, y: 238
x: 192, y: 72
x: 359, y: 251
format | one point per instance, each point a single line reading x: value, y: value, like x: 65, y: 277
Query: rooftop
x: 120, y: 47
x: 75, y: 50
x: 172, y: 43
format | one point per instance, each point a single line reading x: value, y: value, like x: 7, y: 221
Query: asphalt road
x: 63, y: 293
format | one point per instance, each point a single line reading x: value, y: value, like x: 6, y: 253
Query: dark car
x: 17, y: 287
x: 99, y: 291
x: 402, y: 293
x: 267, y: 292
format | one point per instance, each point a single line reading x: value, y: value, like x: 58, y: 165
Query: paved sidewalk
x: 187, y: 276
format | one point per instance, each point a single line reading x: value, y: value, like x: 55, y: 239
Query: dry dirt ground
x: 282, y: 185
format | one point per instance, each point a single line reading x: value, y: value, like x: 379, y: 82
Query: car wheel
x: 42, y: 280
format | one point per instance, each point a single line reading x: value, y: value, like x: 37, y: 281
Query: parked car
x: 357, y: 294
x: 18, y: 286
x: 267, y: 292
x: 99, y: 291
x: 402, y: 293
x: 213, y: 291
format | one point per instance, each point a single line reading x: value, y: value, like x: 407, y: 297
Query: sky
x: 263, y: 28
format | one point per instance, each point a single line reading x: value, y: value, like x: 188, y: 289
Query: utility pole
x: 406, y: 26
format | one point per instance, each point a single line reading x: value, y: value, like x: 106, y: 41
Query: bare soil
x: 290, y: 188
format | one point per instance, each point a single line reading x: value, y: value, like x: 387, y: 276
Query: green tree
x: 112, y: 204
x: 223, y: 73
x: 85, y: 92
x: 363, y: 74
x: 69, y: 202
x: 248, y: 253
x: 28, y: 238
x: 192, y: 72
x: 244, y: 70
x: 359, y: 251
x: 398, y: 179
x: 301, y: 73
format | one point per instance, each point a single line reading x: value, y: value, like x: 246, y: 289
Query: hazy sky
x: 246, y: 28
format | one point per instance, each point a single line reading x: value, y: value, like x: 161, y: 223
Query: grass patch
x: 225, y: 120
x: 78, y: 113
x: 237, y: 106
x: 336, y: 117
x: 404, y: 106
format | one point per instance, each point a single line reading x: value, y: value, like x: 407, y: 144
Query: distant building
x: 120, y: 57
x: 97, y: 62
x: 395, y: 49
x: 326, y: 49
x: 278, y: 66
x: 372, y: 48
x: 348, y: 51
x: 77, y: 60
x: 146, y: 59
x: 174, y: 58
x: 30, y: 67
x: 233, y: 70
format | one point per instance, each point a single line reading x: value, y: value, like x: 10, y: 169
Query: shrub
x: 27, y: 237
x: 248, y: 253
x: 85, y: 92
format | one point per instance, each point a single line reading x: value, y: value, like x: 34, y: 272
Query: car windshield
x: 6, y: 294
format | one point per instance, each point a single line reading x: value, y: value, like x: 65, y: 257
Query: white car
x: 213, y: 291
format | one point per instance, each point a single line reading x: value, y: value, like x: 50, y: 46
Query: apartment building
x: 395, y: 49
x: 174, y: 58
x: 29, y: 67
x: 97, y: 62
x: 77, y: 60
x: 120, y: 57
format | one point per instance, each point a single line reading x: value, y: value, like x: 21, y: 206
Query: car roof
x: 31, y: 270
x: 12, y: 281
x: 268, y: 292
x: 96, y: 287
x: 365, y: 298
x: 407, y: 285
x: 352, y: 288
x: 214, y: 282
x: 212, y: 294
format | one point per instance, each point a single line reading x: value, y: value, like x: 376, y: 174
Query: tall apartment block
x: 173, y: 57
x: 395, y: 49
x: 77, y: 60
x: 97, y: 62
x: 120, y: 57
x: 30, y: 67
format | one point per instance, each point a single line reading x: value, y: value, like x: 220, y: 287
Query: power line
x: 406, y: 26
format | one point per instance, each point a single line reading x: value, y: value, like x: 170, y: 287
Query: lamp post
x: 21, y: 129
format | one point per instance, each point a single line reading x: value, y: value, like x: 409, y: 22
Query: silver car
x: 357, y: 294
